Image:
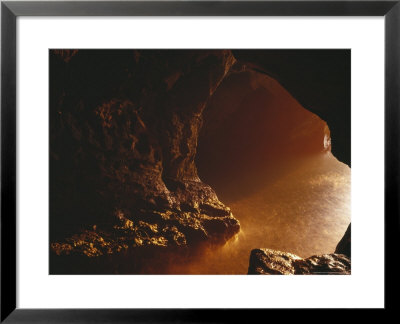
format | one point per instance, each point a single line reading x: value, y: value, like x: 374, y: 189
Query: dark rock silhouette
x: 344, y: 245
x: 319, y: 80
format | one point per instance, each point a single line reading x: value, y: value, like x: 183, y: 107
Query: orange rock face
x: 123, y: 137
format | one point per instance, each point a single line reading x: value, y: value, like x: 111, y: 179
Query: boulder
x: 266, y: 261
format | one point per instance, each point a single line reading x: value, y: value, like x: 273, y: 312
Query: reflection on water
x: 305, y: 211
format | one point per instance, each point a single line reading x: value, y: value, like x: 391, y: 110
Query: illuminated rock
x: 266, y: 261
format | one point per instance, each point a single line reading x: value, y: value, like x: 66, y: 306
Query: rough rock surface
x: 123, y: 136
x: 344, y: 245
x: 266, y: 261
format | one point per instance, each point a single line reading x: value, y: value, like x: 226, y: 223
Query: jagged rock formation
x: 123, y: 136
x: 344, y: 245
x: 266, y: 261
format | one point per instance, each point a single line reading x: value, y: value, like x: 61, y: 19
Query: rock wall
x: 123, y: 136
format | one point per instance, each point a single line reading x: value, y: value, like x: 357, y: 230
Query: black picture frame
x: 9, y: 13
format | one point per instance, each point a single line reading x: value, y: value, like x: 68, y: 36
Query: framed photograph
x: 188, y: 161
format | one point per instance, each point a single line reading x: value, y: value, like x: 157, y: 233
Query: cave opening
x: 269, y: 159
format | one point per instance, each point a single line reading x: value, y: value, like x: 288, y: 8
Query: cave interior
x: 200, y: 161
